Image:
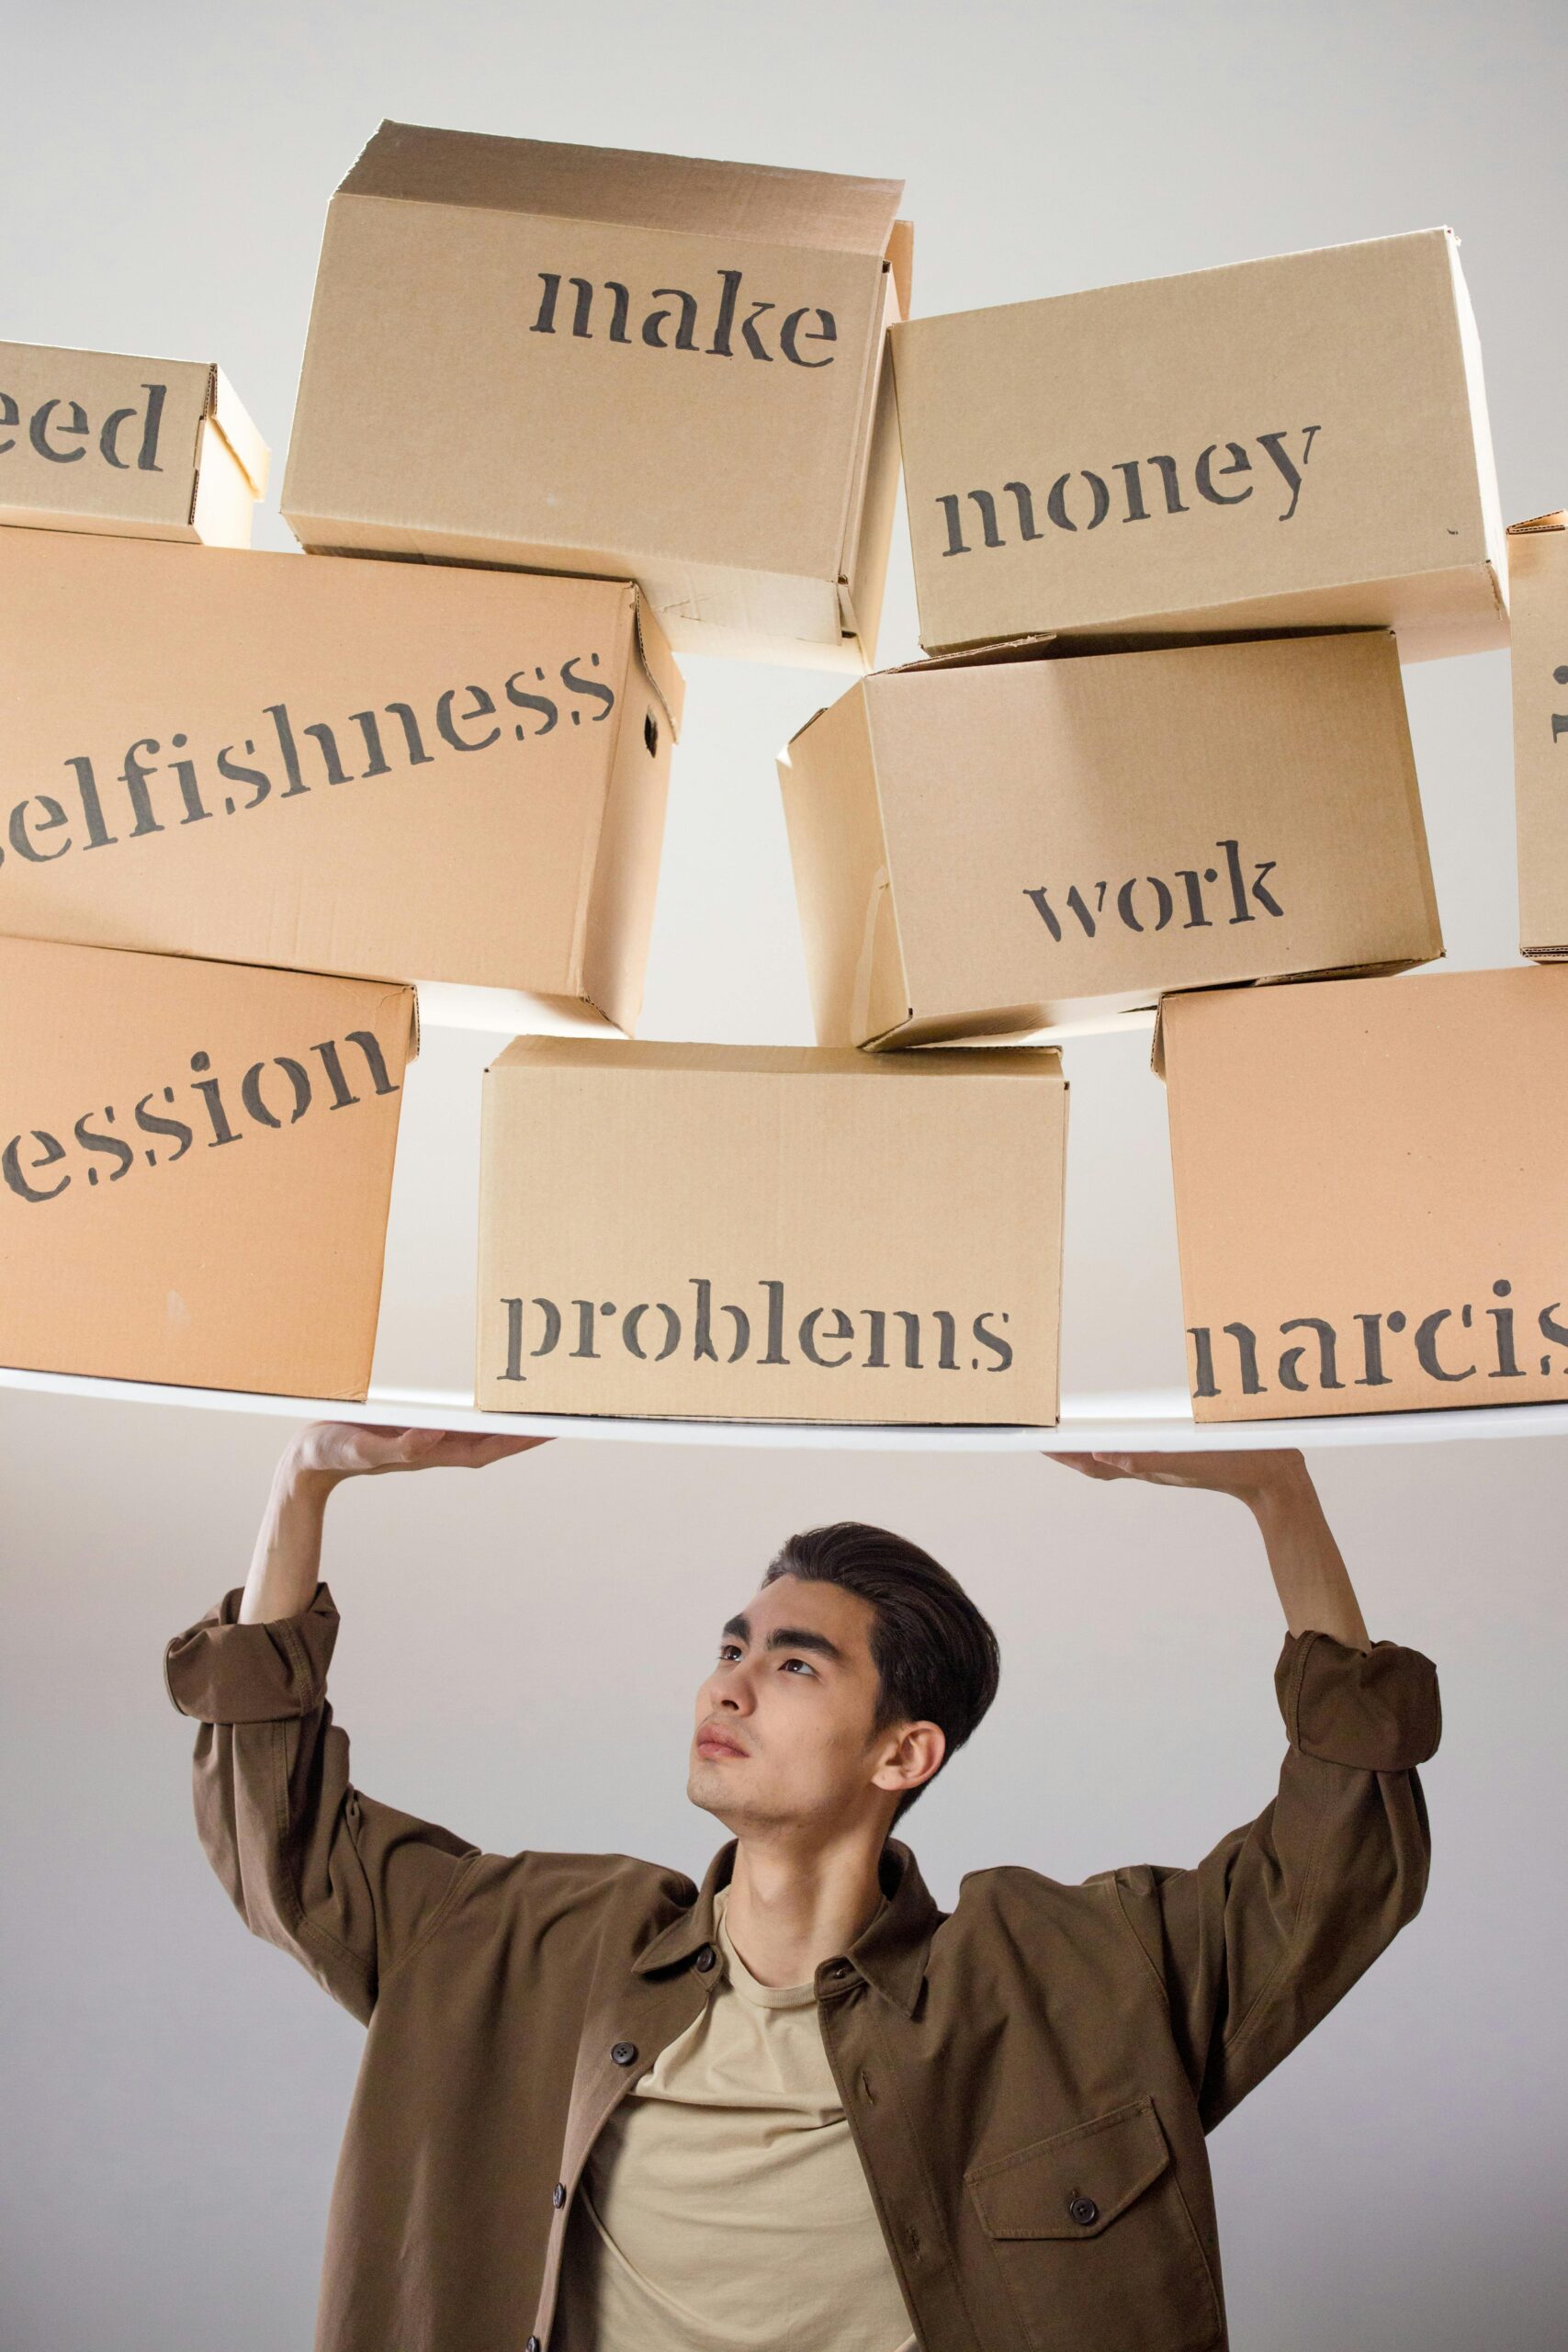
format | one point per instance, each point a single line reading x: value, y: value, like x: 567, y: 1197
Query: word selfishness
x: 287, y: 745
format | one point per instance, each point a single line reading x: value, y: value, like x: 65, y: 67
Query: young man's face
x: 783, y: 1734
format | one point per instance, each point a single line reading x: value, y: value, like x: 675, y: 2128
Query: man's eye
x: 800, y: 1661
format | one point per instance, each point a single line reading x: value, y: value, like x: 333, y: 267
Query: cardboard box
x: 153, y: 448
x: 1372, y: 1192
x: 589, y: 359
x: 1299, y: 443
x: 1538, y: 573
x: 196, y: 1161
x: 752, y: 1233
x: 996, y: 846
x: 412, y: 772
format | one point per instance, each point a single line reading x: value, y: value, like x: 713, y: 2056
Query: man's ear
x: 923, y: 1744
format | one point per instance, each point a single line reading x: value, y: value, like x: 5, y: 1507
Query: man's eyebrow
x: 787, y: 1637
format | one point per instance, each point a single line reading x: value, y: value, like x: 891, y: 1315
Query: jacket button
x: 557, y: 2194
x: 706, y: 1958
x: 623, y: 2052
x: 532, y: 2345
x: 1083, y: 2209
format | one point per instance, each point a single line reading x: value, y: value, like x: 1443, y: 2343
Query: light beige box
x: 1538, y: 573
x: 409, y: 771
x: 590, y: 360
x: 1017, y: 841
x: 153, y: 448
x: 1297, y: 443
x: 751, y: 1233
x: 196, y: 1161
x: 1372, y: 1192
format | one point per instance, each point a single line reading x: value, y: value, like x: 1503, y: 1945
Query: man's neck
x: 788, y: 1910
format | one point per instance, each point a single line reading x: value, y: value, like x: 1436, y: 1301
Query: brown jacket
x: 1029, y: 2078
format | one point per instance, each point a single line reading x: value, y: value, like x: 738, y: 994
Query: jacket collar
x: 889, y: 1951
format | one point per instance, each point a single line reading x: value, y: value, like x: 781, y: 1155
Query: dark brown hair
x: 936, y: 1657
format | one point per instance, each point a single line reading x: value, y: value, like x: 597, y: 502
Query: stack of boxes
x: 1166, y: 564
x: 258, y: 1260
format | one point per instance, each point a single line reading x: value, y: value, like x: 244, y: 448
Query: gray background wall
x: 520, y: 1652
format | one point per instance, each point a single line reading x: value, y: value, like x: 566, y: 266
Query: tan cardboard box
x: 153, y: 448
x: 1298, y: 443
x: 589, y: 359
x: 1538, y: 575
x: 1372, y: 1192
x: 998, y: 846
x: 752, y: 1233
x: 196, y: 1161
x: 411, y: 771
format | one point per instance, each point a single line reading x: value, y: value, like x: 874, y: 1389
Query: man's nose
x: 733, y: 1696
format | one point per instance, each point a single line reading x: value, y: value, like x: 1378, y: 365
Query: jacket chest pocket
x: 1092, y: 2234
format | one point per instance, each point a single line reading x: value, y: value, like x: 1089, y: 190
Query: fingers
x: 470, y: 1449
x: 496, y: 1449
x: 366, y: 1446
x: 1093, y: 1465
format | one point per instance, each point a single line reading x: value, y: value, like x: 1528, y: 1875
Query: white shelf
x: 1157, y: 1421
x: 506, y: 1013
x: 512, y: 1013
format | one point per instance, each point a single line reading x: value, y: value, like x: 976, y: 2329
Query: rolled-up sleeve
x: 1256, y: 1944
x: 348, y: 1885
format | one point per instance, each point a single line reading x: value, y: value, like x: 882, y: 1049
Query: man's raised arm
x: 1258, y: 1942
x: 346, y: 1884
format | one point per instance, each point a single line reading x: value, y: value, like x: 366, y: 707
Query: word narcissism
x: 394, y: 736
x: 653, y: 1332
x: 792, y: 329
x: 1082, y: 499
x: 1317, y: 1362
x: 298, y: 1090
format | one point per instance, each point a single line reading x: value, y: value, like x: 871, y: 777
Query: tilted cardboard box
x: 196, y: 1161
x: 1298, y: 443
x: 1372, y: 1192
x: 153, y: 448
x: 409, y: 771
x: 739, y: 1233
x: 589, y: 359
x: 999, y: 845
x: 1538, y: 573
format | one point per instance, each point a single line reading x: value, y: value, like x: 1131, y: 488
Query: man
x: 800, y: 2109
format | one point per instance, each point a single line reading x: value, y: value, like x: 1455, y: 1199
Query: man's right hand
x: 360, y: 1449
x: 286, y: 1566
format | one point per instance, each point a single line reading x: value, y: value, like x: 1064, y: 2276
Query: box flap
x: 1330, y: 972
x: 1558, y: 521
x: 807, y: 724
x: 653, y: 649
x: 775, y: 1061
x: 763, y: 202
x: 975, y: 656
x: 900, y: 261
x: 1049, y: 645
x: 228, y: 414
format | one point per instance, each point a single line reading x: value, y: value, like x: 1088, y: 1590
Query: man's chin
x: 703, y: 1791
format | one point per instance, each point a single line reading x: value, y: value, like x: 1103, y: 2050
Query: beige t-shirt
x: 723, y: 2207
